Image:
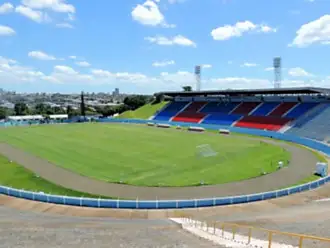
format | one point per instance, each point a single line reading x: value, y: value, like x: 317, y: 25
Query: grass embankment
x: 144, y: 156
x: 16, y: 176
x: 144, y: 112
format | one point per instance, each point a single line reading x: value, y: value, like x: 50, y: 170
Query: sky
x: 147, y: 46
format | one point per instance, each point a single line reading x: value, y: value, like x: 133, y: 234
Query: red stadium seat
x: 282, y: 109
x: 245, y: 108
x: 262, y: 122
x: 190, y: 114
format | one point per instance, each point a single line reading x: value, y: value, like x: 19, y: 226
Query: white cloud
x: 247, y: 64
x: 34, y: 15
x: 71, y: 17
x: 55, y: 5
x: 226, y: 32
x: 101, y: 73
x: 64, y: 25
x: 166, y: 25
x: 7, y: 61
x: 64, y: 69
x: 176, y: 40
x: 119, y: 75
x: 11, y: 72
x: 6, y: 31
x: 206, y: 66
x: 269, y: 69
x: 165, y: 81
x: 149, y: 14
x: 73, y: 57
x: 178, y: 79
x: 38, y: 10
x: 257, y: 83
x: 317, y: 31
x: 83, y: 64
x: 163, y: 63
x: 176, y: 1
x: 299, y: 72
x: 6, y: 8
x: 239, y: 83
x: 41, y: 55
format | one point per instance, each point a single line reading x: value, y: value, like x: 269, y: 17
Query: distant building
x: 7, y: 104
x: 115, y: 92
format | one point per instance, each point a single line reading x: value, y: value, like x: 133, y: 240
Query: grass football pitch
x: 14, y: 175
x: 146, y: 156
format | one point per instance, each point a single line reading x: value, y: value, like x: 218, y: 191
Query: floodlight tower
x: 277, y: 64
x: 198, y: 77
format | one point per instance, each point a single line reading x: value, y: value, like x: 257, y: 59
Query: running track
x: 301, y: 166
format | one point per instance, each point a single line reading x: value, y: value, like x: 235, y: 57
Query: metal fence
x: 159, y: 204
x: 246, y: 234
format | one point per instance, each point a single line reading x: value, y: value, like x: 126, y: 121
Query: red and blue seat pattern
x: 191, y: 113
x: 260, y: 115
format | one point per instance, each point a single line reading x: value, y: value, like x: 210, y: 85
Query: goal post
x: 205, y: 150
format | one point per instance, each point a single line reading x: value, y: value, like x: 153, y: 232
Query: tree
x: 108, y: 111
x: 111, y: 110
x: 69, y: 111
x: 58, y: 110
x: 187, y: 88
x: 121, y: 108
x: 136, y: 101
x: 40, y: 108
x: 82, y: 105
x: 158, y: 98
x: 3, y: 113
x: 50, y: 111
x: 21, y: 109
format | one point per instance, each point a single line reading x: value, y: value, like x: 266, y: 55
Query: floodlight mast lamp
x: 277, y: 64
x: 198, y: 77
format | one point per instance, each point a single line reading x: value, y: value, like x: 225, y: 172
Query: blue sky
x: 144, y: 46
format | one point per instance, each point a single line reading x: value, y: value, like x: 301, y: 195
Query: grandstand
x: 299, y: 111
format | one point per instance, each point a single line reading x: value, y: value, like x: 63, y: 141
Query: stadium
x: 164, y: 124
x: 221, y: 160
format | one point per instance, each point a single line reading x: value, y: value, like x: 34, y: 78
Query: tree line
x: 130, y: 103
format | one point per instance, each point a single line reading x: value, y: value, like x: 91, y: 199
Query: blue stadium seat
x: 265, y: 108
x: 175, y: 106
x: 301, y: 109
x: 216, y: 107
x: 170, y: 111
x: 221, y: 119
x: 315, y: 125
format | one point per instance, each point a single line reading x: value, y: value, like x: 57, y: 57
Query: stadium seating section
x: 245, y: 108
x: 170, y: 111
x: 314, y: 125
x: 191, y: 113
x: 282, y: 109
x: 262, y: 122
x: 260, y: 115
